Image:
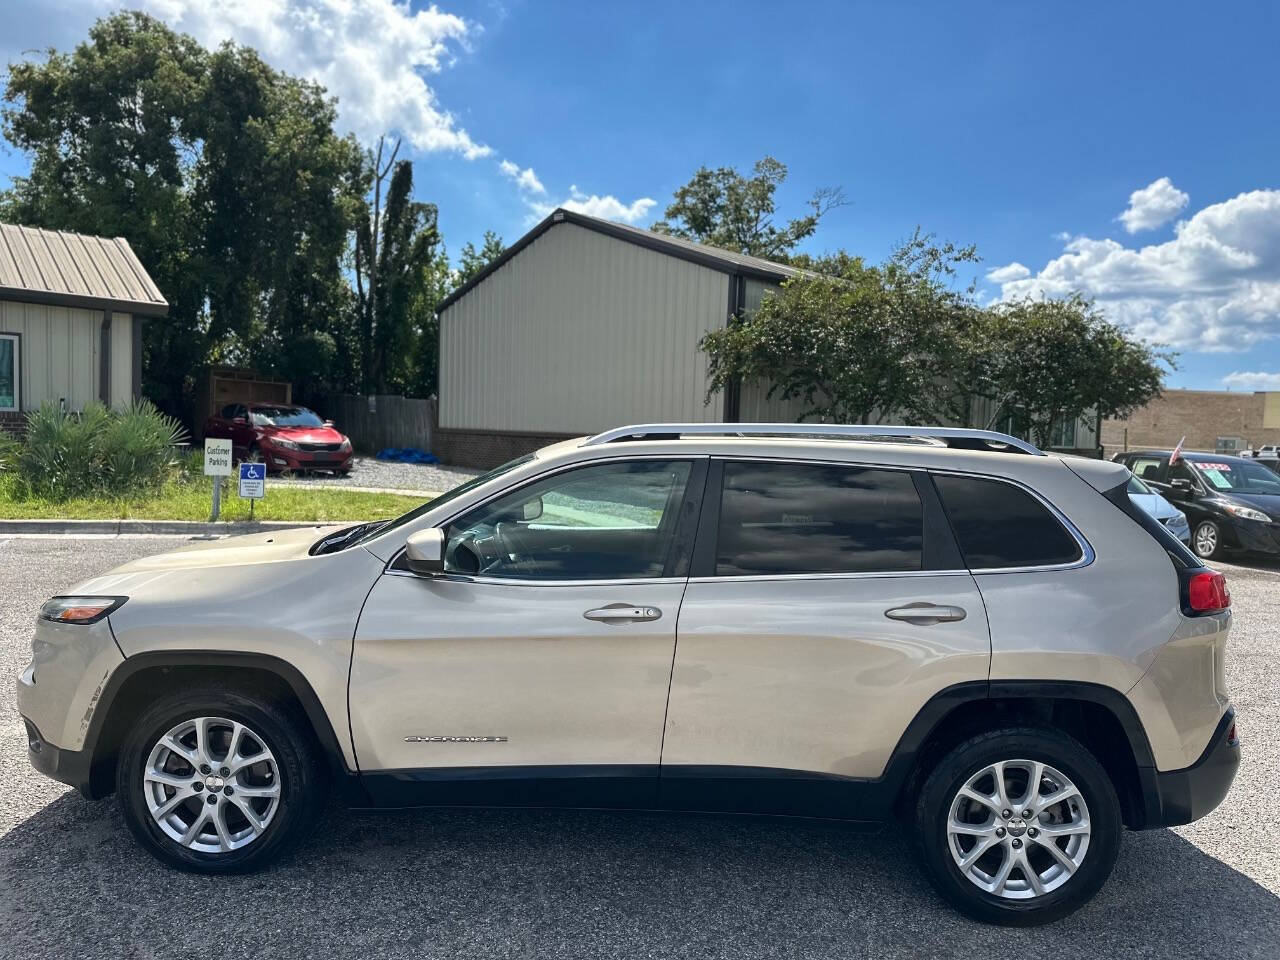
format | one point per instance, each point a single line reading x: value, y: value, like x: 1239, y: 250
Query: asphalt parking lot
x: 582, y: 884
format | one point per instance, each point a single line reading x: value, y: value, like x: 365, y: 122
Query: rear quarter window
x: 999, y: 525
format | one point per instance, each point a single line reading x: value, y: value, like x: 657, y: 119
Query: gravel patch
x: 531, y: 884
x: 371, y: 474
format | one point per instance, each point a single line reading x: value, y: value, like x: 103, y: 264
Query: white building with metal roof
x: 71, y: 313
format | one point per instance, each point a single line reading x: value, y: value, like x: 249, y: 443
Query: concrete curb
x: 115, y: 528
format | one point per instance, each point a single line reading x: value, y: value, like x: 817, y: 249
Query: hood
x: 287, y: 544
x: 1155, y: 505
x: 304, y: 434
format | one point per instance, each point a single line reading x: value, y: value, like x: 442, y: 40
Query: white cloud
x: 1154, y: 205
x: 1008, y: 273
x: 525, y: 179
x: 607, y: 207
x: 1252, y: 380
x: 374, y: 55
x: 1215, y: 286
x: 1062, y: 236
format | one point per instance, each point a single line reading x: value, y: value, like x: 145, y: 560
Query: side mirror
x: 1181, y: 489
x: 424, y: 552
x: 532, y: 509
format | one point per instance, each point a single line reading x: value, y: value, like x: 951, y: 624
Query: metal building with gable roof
x: 584, y: 324
x: 71, y: 312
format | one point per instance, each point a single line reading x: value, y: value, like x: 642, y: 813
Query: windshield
x: 1238, y: 476
x: 444, y: 498
x: 284, y: 417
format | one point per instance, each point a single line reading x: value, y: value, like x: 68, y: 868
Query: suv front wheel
x: 1018, y: 826
x: 215, y: 780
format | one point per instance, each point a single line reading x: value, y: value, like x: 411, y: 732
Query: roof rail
x: 962, y: 437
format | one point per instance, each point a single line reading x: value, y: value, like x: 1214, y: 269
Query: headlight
x: 287, y: 444
x: 1245, y: 513
x: 79, y: 609
x: 346, y: 445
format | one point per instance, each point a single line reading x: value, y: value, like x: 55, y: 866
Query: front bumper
x: 1181, y: 796
x: 279, y: 459
x: 1257, y: 536
x: 71, y: 767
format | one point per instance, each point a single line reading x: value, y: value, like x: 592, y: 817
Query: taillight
x: 1207, y: 592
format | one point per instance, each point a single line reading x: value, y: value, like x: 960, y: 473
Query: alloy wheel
x: 211, y: 784
x: 1018, y: 829
x: 1206, y: 540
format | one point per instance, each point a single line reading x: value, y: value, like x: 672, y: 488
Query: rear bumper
x: 1181, y: 796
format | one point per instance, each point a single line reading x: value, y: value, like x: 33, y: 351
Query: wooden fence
x: 376, y: 422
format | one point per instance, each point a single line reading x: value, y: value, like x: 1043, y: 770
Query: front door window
x: 602, y: 522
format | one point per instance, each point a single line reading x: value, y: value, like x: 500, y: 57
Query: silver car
x: 945, y: 626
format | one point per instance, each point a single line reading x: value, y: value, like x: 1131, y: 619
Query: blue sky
x: 1027, y: 129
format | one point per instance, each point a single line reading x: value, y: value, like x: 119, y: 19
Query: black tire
x: 1215, y: 530
x: 1057, y: 750
x: 283, y: 731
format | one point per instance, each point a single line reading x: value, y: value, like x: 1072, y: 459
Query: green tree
x: 472, y: 261
x: 225, y: 176
x: 854, y: 343
x: 108, y: 129
x: 1053, y: 361
x: 725, y: 209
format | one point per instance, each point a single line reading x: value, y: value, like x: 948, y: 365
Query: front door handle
x: 623, y: 613
x: 926, y: 614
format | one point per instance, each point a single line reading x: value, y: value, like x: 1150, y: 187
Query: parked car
x: 1160, y: 509
x: 283, y: 436
x: 995, y: 643
x: 1231, y: 503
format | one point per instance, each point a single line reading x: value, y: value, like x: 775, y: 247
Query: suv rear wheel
x: 215, y: 780
x: 1018, y: 826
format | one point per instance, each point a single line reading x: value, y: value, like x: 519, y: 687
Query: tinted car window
x: 1148, y: 468
x: 778, y: 518
x: 607, y: 521
x: 999, y: 525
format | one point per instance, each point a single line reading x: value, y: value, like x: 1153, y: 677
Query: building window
x: 9, y: 372
x: 1064, y: 433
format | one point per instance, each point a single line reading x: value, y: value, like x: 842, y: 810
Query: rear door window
x: 789, y: 518
x: 1000, y: 525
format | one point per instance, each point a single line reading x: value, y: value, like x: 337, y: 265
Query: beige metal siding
x: 59, y: 352
x: 577, y: 333
x: 121, y: 359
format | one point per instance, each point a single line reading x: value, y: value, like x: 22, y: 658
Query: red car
x: 283, y: 436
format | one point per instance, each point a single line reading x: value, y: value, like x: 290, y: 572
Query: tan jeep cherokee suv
x: 845, y: 622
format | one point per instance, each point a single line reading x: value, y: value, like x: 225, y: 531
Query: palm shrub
x: 97, y: 451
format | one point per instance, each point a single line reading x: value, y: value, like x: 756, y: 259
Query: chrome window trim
x: 1087, y: 555
x: 535, y: 478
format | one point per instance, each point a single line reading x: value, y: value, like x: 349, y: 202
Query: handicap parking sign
x: 253, y: 480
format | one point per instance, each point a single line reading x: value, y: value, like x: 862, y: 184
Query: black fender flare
x: 283, y: 670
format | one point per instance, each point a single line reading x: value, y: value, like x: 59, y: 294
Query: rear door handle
x: 925, y: 614
x: 623, y: 613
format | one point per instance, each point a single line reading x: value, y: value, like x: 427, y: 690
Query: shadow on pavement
x: 584, y: 884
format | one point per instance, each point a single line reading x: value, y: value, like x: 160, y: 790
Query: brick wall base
x: 485, y: 449
x: 14, y: 422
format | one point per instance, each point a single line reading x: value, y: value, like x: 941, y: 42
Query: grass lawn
x: 191, y: 501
